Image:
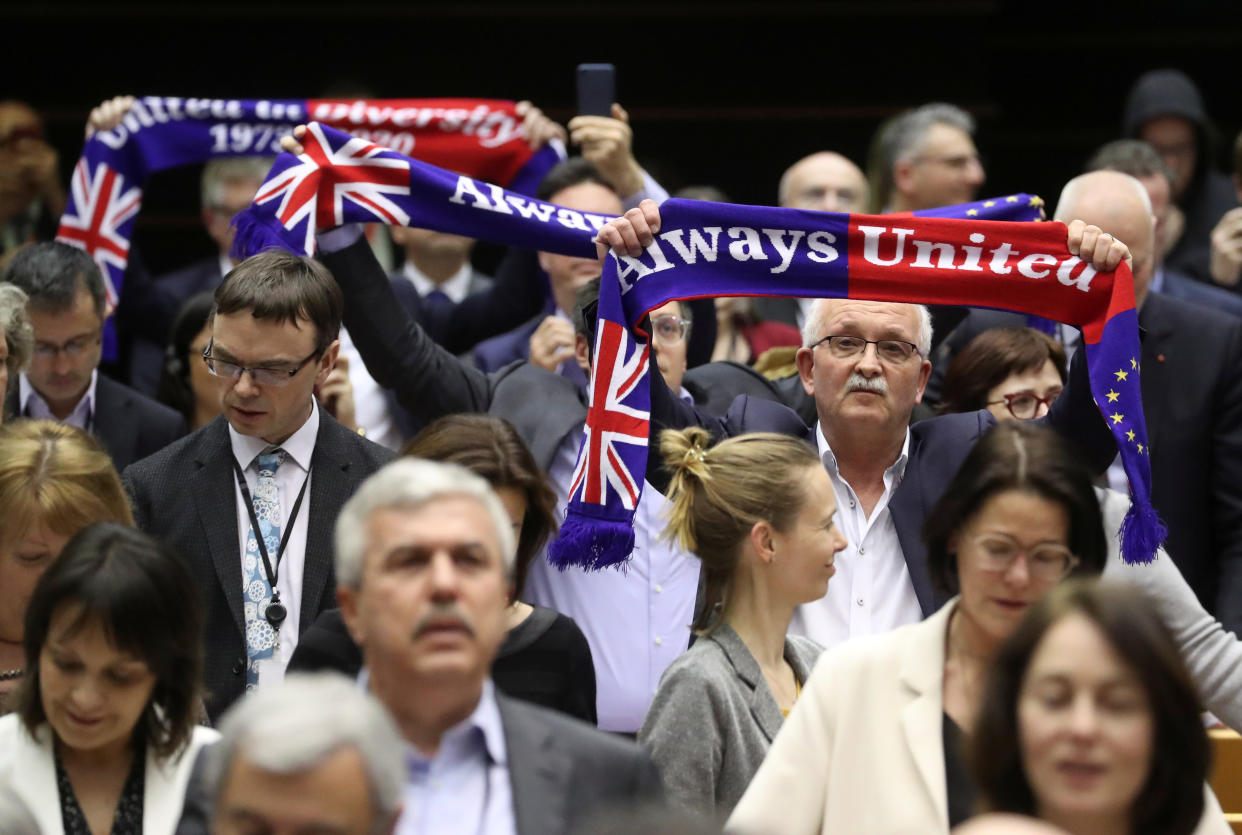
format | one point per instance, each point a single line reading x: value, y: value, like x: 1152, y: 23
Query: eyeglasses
x: 1024, y: 405
x: 669, y: 329
x: 958, y: 162
x: 73, y: 349
x: 891, y: 351
x: 1046, y: 563
x: 261, y: 376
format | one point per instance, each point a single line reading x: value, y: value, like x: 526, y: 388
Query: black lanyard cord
x: 275, y: 611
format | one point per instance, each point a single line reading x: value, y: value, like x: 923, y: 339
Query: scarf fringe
x: 1141, y: 533
x: 255, y: 232
x: 593, y: 544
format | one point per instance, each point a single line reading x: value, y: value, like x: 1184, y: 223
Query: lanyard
x: 276, y: 612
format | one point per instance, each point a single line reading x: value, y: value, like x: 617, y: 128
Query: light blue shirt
x: 32, y: 404
x: 464, y: 789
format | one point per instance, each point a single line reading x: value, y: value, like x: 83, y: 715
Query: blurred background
x: 726, y: 93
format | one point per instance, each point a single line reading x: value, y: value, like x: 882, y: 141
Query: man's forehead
x: 869, y: 314
x: 826, y: 171
x: 241, y: 334
x: 449, y: 521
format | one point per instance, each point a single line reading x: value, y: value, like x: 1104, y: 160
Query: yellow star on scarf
x: 1140, y: 448
x: 1130, y: 435
x: 987, y: 204
x: 1112, y: 396
x: 1133, y: 364
x: 1117, y: 417
x: 972, y: 212
x: 1013, y: 198
x: 1037, y: 201
x: 1121, y: 375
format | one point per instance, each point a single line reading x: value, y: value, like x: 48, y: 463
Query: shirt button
x: 851, y: 502
x: 659, y: 641
x: 860, y: 601
x: 862, y: 550
x: 659, y: 588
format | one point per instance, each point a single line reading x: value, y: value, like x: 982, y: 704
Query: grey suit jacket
x: 185, y: 496
x: 565, y: 773
x: 714, y: 718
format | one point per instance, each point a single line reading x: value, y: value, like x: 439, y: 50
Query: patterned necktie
x: 260, y: 636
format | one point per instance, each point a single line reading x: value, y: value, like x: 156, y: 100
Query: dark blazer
x: 130, y: 425
x: 1192, y: 403
x: 495, y: 353
x: 1178, y: 286
x: 565, y: 773
x: 430, y: 381
x: 937, y: 449
x: 185, y: 495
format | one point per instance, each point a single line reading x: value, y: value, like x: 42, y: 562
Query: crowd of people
x: 280, y: 564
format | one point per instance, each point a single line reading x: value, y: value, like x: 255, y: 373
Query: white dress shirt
x: 456, y: 287
x: 300, y: 446
x: 32, y: 405
x: 636, y: 617
x: 871, y: 591
x: 370, y: 404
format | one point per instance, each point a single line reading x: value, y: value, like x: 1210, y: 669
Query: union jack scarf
x: 980, y: 254
x: 476, y: 136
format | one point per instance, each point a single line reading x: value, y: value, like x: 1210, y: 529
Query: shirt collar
x: 895, y: 472
x: 226, y: 264
x: 300, y: 446
x: 83, y: 410
x: 1157, y: 279
x: 457, y: 287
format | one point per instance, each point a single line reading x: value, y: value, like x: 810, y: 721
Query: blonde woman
x: 54, y: 481
x: 16, y: 339
x: 758, y: 511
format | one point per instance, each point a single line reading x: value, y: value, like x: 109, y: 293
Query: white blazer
x: 27, y: 765
x: 862, y: 752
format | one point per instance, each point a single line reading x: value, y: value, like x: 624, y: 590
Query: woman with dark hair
x: 757, y: 510
x: 545, y: 658
x: 54, y: 481
x: 1011, y: 372
x: 1089, y: 720
x: 1014, y: 373
x: 104, y: 735
x: 185, y: 384
x: 873, y: 744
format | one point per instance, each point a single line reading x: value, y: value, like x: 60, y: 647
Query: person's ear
x: 327, y: 362
x: 805, y: 360
x: 903, y: 176
x: 582, y: 353
x: 924, y: 375
x: 347, y: 599
x: 763, y: 540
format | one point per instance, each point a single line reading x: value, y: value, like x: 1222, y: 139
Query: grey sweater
x: 713, y: 719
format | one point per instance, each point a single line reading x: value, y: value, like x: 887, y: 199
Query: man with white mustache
x: 865, y: 364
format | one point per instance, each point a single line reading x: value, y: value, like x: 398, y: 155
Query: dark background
x: 725, y: 93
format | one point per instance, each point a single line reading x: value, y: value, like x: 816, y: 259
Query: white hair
x: 409, y: 483
x: 222, y: 170
x: 812, y: 328
x: 293, y: 726
x: 905, y: 137
x: 15, y: 328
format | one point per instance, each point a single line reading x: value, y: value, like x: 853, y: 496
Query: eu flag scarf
x: 717, y: 249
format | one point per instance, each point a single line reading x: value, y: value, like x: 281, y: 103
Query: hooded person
x: 1165, y: 109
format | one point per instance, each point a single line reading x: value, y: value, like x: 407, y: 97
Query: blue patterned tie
x: 260, y: 636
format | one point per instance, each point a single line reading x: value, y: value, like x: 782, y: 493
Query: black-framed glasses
x: 1024, y: 405
x: 261, y: 376
x: 892, y: 351
x: 73, y: 348
x: 1048, y: 563
x: 669, y: 329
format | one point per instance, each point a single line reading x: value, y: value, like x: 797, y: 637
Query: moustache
x: 443, y: 614
x: 858, y: 382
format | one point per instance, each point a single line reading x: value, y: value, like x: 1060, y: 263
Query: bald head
x: 1120, y: 205
x: 824, y: 182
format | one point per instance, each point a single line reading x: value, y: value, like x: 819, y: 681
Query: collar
x: 26, y: 393
x: 895, y: 472
x: 1157, y: 280
x: 300, y: 445
x: 457, y: 287
x: 226, y: 264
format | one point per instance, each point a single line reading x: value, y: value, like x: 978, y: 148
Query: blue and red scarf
x: 981, y: 254
x: 475, y: 136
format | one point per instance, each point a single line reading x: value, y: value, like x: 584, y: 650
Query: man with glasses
x: 925, y: 158
x: 251, y: 498
x: 67, y: 307
x: 865, y: 364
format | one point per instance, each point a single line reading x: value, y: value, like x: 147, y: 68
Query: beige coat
x: 862, y: 751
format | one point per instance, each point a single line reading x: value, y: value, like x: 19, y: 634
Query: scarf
x: 980, y: 254
x: 477, y: 136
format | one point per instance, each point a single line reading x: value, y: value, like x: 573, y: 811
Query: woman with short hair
x: 104, y: 735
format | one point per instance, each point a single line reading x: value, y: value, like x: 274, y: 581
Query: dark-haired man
x: 66, y: 306
x: 251, y: 498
